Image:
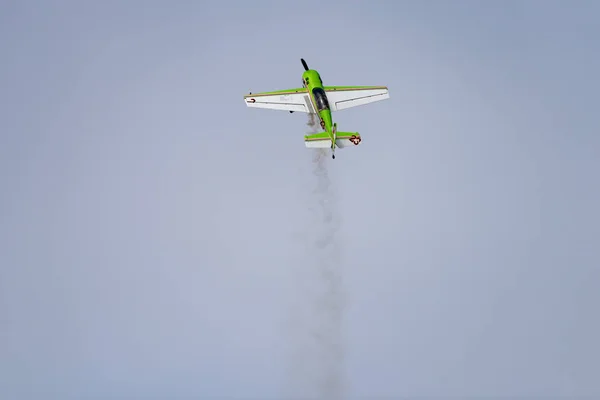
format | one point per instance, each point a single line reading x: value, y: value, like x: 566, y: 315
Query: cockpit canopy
x: 321, y: 99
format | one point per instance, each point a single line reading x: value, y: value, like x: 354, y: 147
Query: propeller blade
x: 304, y: 64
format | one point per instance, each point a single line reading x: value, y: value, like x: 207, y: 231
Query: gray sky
x: 153, y: 228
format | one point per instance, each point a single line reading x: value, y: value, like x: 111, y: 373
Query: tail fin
x: 347, y: 139
x: 318, y: 141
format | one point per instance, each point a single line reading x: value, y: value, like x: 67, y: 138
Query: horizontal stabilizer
x: 347, y: 139
x: 323, y: 140
x: 318, y: 141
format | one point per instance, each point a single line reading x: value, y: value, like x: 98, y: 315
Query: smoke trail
x: 319, y: 364
x: 312, y: 123
x: 329, y: 302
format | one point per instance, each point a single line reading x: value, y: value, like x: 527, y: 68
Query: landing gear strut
x: 334, y: 139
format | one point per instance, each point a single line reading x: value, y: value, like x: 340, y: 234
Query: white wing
x: 342, y: 97
x: 285, y: 100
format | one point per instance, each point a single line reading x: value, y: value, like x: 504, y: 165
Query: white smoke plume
x: 318, y: 362
x: 312, y: 123
x: 329, y: 301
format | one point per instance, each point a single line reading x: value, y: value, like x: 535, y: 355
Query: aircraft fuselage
x: 313, y: 82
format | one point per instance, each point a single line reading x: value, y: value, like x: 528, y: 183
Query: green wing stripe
x: 346, y: 135
x: 277, y: 92
x: 342, y: 88
x: 316, y: 136
x: 304, y: 90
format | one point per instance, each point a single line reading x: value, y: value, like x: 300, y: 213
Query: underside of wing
x: 286, y: 100
x: 342, y: 97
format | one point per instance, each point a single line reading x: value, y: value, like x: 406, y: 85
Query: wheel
x: 333, y: 156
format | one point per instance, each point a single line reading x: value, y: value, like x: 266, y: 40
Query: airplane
x: 318, y: 100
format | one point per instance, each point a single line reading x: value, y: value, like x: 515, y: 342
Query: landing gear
x: 333, y: 156
x: 291, y: 112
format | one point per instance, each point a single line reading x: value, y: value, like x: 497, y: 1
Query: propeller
x: 304, y: 64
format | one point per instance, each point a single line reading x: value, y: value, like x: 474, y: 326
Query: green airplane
x: 318, y: 100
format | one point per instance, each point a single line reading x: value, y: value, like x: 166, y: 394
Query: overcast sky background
x: 152, y: 226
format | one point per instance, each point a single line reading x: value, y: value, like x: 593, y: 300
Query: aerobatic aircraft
x: 318, y: 100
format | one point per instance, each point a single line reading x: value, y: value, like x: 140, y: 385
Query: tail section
x: 323, y: 140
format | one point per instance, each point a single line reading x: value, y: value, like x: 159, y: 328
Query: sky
x: 159, y: 239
